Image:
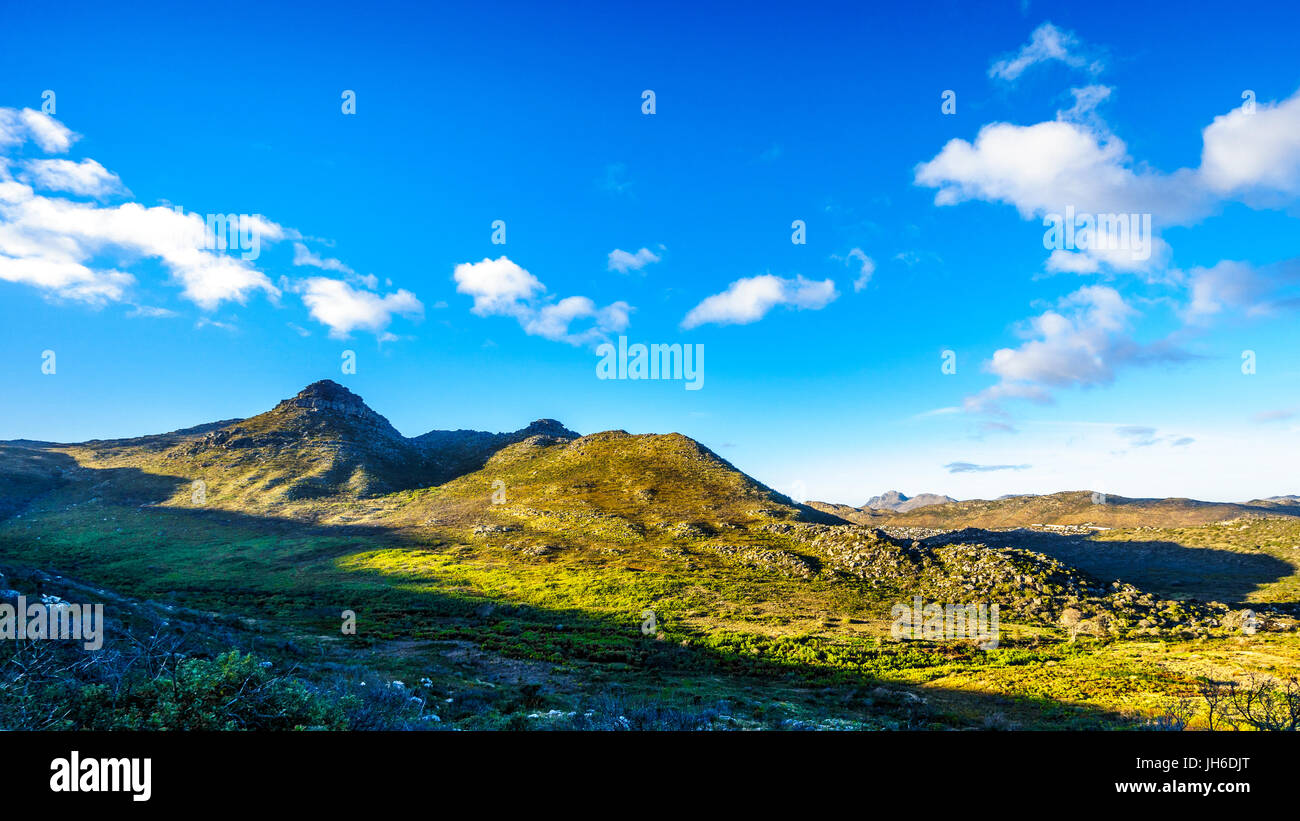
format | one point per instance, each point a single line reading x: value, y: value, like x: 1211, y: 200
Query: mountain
x: 611, y: 486
x: 325, y: 441
x: 897, y: 502
x: 326, y: 445
x: 1288, y: 500
x: 1082, y: 507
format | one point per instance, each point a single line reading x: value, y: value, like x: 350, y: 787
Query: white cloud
x: 748, y: 300
x: 866, y: 267
x: 1075, y: 163
x: 553, y: 321
x: 66, y: 233
x: 17, y: 127
x: 1255, y: 155
x: 207, y: 322
x: 1047, y: 44
x: 86, y: 178
x: 989, y: 400
x: 1124, y: 257
x: 302, y: 255
x: 1238, y: 287
x: 51, y: 135
x: 1086, y: 100
x: 500, y: 287
x: 66, y: 278
x: 623, y: 262
x: 1047, y: 167
x: 74, y: 250
x: 344, y: 309
x: 1071, y: 347
x: 1072, y: 262
x: 1079, y: 343
x: 151, y: 312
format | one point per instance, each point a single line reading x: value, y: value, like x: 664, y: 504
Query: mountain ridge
x: 325, y: 442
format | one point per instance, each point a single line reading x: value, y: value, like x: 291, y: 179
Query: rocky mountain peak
x: 889, y: 499
x: 327, y: 402
x: 548, y: 427
x: 327, y: 394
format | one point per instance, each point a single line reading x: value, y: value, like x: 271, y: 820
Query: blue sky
x: 824, y: 360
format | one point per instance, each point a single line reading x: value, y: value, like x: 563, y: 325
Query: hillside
x: 649, y: 484
x: 514, y: 572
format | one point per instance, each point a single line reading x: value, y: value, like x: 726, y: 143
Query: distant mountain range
x: 1066, y: 508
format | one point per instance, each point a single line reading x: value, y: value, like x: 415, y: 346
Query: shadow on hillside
x: 1168, y: 569
x: 286, y: 571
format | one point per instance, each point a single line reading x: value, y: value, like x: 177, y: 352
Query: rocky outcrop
x: 781, y: 562
x: 332, y: 399
x: 1027, y: 584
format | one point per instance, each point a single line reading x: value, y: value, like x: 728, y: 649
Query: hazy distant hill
x: 1066, y: 508
x: 897, y: 502
x: 878, y: 507
x: 1083, y: 508
x: 1283, y: 501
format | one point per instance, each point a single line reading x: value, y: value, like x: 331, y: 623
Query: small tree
x: 1070, y: 618
x: 1215, y: 695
